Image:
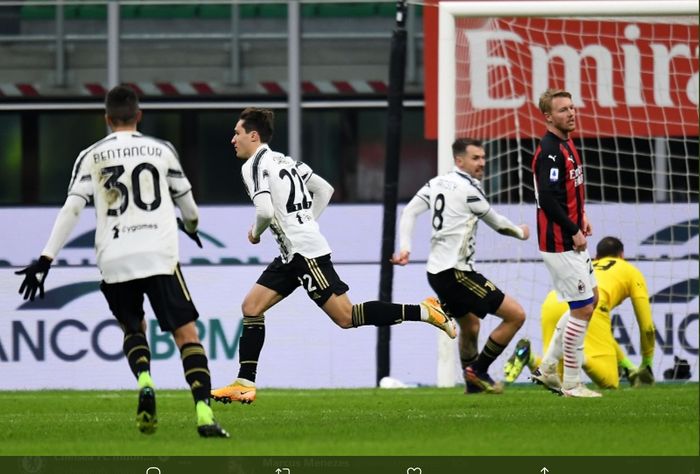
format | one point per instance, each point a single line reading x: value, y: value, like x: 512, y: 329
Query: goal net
x: 632, y: 68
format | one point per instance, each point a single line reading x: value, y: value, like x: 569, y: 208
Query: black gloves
x: 34, y: 276
x: 192, y: 235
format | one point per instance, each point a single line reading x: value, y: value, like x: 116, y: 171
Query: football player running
x: 288, y: 198
x: 135, y: 181
x: 457, y: 203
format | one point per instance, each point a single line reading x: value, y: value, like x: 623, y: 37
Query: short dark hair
x: 609, y: 247
x: 122, y: 105
x: 260, y: 120
x: 460, y: 145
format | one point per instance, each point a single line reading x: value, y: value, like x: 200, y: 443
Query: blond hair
x: 548, y: 95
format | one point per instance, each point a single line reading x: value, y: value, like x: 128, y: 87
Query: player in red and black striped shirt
x: 562, y: 228
x: 560, y: 194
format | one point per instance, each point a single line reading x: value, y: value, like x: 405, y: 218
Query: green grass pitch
x: 525, y: 421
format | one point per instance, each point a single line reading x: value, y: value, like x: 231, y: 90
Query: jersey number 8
x: 438, y: 207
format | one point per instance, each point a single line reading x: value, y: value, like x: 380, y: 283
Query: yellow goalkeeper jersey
x: 617, y: 280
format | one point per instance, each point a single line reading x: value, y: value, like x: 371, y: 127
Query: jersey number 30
x: 112, y: 183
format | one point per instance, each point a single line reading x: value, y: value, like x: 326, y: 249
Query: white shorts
x: 572, y: 274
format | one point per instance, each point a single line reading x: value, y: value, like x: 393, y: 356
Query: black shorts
x: 168, y: 295
x: 316, y: 275
x: 466, y: 292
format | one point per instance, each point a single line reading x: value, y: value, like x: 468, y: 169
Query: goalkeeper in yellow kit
x: 617, y: 280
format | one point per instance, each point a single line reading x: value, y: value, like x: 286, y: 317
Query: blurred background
x: 196, y: 65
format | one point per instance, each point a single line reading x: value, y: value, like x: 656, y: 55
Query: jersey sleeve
x: 321, y: 194
x: 188, y: 210
x: 477, y: 202
x: 413, y: 209
x: 424, y: 193
x: 642, y: 311
x: 264, y: 213
x: 304, y: 170
x: 64, y: 224
x: 480, y: 207
x: 81, y: 179
x: 256, y: 177
x: 550, y: 174
x: 502, y: 224
x: 178, y: 184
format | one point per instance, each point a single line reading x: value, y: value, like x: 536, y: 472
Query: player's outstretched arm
x: 415, y: 207
x: 34, y: 277
x: 400, y: 258
x: 526, y: 231
x: 64, y: 224
x: 190, y: 230
x: 190, y: 217
x: 505, y: 226
x: 35, y: 274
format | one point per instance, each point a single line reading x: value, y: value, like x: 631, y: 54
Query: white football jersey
x: 133, y: 180
x: 456, y: 203
x: 293, y: 224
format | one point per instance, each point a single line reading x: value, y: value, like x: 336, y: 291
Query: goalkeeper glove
x: 192, y: 235
x: 646, y: 376
x: 642, y: 376
x: 34, y: 277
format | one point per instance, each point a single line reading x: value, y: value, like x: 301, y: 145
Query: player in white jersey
x: 288, y: 199
x: 457, y: 203
x: 134, y: 181
x: 288, y: 183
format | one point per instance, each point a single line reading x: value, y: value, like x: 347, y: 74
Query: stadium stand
x: 91, y: 11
